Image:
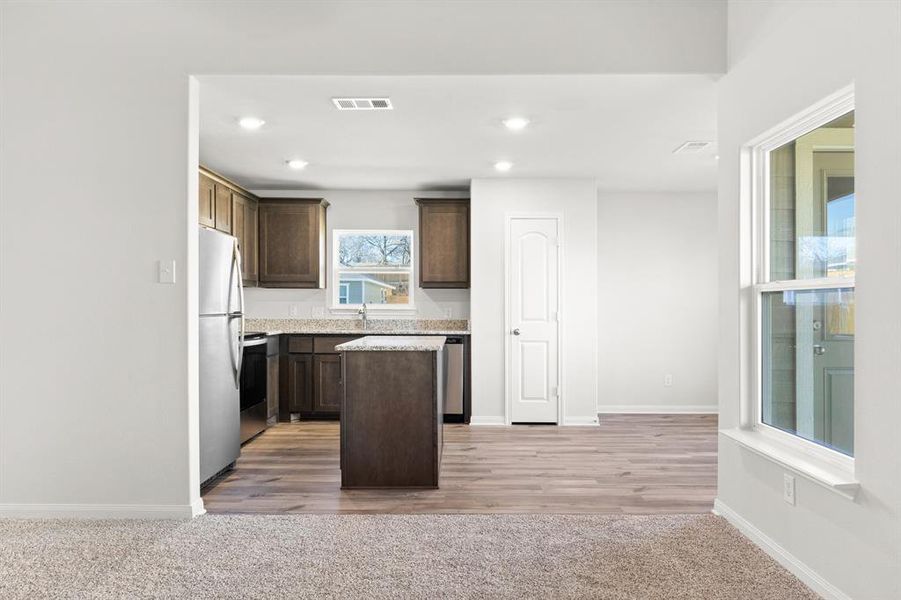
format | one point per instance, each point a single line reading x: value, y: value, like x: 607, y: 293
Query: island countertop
x: 394, y: 343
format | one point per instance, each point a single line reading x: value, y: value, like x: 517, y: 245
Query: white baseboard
x: 480, y: 420
x: 580, y: 421
x: 101, y: 511
x: 811, y: 578
x: 197, y: 508
x: 659, y: 409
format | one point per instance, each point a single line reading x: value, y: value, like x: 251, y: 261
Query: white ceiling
x: 445, y: 130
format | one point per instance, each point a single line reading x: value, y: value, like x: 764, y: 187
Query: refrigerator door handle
x: 238, y: 263
x: 236, y: 277
x: 236, y: 349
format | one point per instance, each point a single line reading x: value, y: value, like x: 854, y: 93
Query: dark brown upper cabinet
x: 292, y: 242
x: 244, y: 227
x: 223, y: 210
x: 207, y: 201
x: 226, y: 206
x: 443, y: 242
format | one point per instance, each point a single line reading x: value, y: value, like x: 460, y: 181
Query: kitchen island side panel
x: 390, y: 420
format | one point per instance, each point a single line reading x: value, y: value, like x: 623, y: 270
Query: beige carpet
x: 389, y: 556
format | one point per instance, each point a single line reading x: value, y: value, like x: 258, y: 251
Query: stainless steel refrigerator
x: 221, y: 341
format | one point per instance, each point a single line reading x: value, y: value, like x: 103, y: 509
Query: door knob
x: 515, y: 331
x: 819, y: 350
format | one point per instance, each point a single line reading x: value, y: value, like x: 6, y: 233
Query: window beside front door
x: 804, y: 285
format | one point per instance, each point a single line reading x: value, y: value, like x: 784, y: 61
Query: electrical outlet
x: 294, y: 310
x: 668, y: 380
x: 448, y: 313
x: 318, y: 312
x: 788, y: 488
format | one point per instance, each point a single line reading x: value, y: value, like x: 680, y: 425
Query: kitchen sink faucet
x: 362, y: 313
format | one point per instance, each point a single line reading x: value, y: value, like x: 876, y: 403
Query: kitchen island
x: 391, y: 412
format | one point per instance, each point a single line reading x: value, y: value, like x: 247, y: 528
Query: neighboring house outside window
x: 374, y: 267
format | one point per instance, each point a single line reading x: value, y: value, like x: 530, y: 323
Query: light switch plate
x: 165, y: 271
x: 668, y: 380
x: 788, y: 488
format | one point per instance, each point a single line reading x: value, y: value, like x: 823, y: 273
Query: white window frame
x: 337, y: 269
x: 757, y: 188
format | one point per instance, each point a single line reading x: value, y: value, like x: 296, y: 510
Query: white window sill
x: 832, y: 477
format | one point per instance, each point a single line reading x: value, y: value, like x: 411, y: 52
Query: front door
x: 824, y: 320
x: 533, y: 305
x: 833, y: 376
x: 833, y: 347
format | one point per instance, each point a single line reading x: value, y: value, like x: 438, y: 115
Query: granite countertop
x: 394, y: 343
x: 355, y: 326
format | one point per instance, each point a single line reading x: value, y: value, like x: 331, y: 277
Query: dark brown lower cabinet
x: 300, y: 386
x: 272, y: 379
x: 311, y: 378
x: 327, y: 384
x: 310, y: 373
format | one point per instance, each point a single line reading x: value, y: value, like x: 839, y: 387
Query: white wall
x: 492, y: 201
x: 96, y: 388
x: 357, y: 209
x: 657, y: 302
x: 784, y: 57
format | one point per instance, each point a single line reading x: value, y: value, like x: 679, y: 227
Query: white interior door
x: 533, y: 305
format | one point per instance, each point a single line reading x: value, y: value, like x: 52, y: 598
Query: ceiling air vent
x: 362, y: 103
x: 691, y: 147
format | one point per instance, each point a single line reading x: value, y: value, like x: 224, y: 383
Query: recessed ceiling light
x: 503, y: 165
x: 251, y: 122
x: 516, y: 123
x: 296, y: 163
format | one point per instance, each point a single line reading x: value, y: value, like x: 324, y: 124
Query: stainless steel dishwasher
x: 454, y: 370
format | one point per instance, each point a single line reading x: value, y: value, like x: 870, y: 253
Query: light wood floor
x: 629, y: 464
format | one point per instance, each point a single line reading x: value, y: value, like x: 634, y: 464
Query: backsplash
x: 276, y: 303
x: 373, y: 326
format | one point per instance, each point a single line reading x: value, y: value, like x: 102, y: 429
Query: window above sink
x: 374, y: 267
